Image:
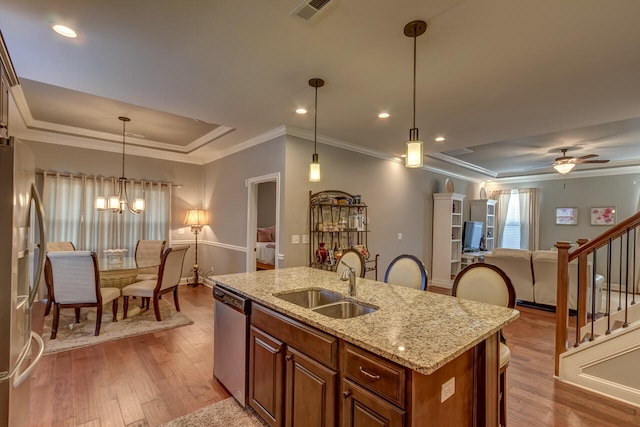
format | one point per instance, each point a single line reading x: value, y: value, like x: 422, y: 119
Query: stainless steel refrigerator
x: 21, y: 266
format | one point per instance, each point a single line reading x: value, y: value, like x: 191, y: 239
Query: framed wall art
x: 604, y: 215
x: 566, y: 216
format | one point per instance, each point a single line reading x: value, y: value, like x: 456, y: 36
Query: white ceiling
x: 513, y: 81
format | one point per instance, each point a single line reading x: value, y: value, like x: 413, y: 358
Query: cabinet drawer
x: 374, y: 373
x: 316, y: 344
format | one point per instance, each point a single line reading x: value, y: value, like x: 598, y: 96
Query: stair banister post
x: 582, y: 286
x: 562, y: 309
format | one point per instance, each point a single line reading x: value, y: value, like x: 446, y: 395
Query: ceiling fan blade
x: 594, y: 161
x: 587, y: 156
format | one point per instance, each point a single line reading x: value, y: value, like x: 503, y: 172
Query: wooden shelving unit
x: 485, y: 211
x: 447, y: 238
x: 339, y: 223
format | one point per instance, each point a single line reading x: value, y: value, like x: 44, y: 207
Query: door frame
x: 252, y: 217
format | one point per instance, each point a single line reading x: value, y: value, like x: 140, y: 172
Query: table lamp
x: 196, y: 218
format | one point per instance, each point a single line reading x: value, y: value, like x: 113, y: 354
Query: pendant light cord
x: 315, y: 121
x: 414, y: 78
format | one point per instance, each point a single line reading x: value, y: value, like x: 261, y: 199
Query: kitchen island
x: 435, y: 357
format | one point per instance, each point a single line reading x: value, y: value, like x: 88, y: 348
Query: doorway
x: 263, y: 222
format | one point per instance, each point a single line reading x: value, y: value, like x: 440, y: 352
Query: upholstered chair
x: 75, y: 283
x: 54, y: 247
x: 407, y: 270
x: 168, y: 280
x: 354, y: 259
x: 148, y: 257
x: 489, y: 284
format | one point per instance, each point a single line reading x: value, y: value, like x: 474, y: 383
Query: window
x: 511, y: 233
x: 69, y: 203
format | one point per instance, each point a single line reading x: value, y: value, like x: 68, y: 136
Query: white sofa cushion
x: 516, y: 263
x: 545, y: 269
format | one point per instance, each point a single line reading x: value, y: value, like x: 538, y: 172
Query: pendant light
x: 314, y: 167
x: 415, y: 149
x: 120, y: 202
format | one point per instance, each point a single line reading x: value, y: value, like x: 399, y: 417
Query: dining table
x: 117, y: 273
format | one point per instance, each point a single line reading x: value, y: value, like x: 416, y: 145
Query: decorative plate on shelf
x: 448, y: 185
x: 483, y: 194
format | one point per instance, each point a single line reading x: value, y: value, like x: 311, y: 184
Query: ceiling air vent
x: 308, y: 8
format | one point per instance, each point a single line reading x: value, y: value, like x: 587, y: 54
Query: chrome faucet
x: 350, y: 275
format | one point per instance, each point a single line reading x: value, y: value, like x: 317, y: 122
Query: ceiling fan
x: 565, y: 164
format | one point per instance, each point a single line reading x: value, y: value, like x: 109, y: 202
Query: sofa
x: 534, y: 276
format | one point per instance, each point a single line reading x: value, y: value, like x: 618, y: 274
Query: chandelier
x: 120, y: 202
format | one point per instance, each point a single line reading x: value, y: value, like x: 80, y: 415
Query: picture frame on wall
x: 566, y: 216
x: 603, y: 215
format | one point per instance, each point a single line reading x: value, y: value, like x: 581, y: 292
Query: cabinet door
x: 311, y: 392
x: 266, y: 377
x: 361, y: 408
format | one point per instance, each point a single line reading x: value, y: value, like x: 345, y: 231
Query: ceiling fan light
x: 564, y: 168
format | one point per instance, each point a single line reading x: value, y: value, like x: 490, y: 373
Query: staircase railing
x: 620, y: 243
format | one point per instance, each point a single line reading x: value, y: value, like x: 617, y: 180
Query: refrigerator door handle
x: 43, y: 245
x: 24, y: 375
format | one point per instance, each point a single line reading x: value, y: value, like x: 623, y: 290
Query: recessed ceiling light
x: 383, y: 115
x: 440, y: 138
x: 301, y: 111
x: 65, y: 31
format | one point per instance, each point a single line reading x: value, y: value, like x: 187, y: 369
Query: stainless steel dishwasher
x: 230, y: 342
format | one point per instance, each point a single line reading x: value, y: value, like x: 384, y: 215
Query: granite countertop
x: 420, y: 330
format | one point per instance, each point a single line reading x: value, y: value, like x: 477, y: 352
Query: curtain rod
x: 68, y: 175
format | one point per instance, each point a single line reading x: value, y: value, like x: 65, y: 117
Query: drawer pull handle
x: 368, y: 374
x: 347, y: 393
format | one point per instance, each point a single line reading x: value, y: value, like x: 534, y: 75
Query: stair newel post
x: 562, y: 311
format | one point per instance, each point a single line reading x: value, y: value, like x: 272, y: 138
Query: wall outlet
x: 448, y: 389
x: 305, y: 238
x: 295, y: 239
x: 399, y: 236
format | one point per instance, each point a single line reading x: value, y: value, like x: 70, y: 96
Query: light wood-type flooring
x: 151, y: 379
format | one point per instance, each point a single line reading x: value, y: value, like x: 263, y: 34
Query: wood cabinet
x: 338, y: 221
x: 292, y: 371
x: 266, y: 376
x: 361, y: 408
x: 4, y: 102
x: 447, y: 238
x: 485, y: 211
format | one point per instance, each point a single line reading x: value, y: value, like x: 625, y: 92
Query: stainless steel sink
x: 311, y: 298
x: 326, y: 302
x: 344, y: 310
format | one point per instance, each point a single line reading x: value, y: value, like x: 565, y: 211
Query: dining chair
x: 75, y: 283
x: 407, y: 270
x: 148, y: 256
x: 168, y: 280
x: 489, y: 284
x: 351, y: 258
x: 54, y: 247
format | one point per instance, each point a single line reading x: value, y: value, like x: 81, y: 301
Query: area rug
x: 75, y: 335
x: 227, y: 413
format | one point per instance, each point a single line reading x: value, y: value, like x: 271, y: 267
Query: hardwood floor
x: 151, y: 379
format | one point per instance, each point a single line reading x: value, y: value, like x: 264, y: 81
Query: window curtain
x: 69, y: 202
x: 502, y: 196
x: 529, y: 202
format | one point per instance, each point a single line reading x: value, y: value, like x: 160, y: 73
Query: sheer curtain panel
x: 69, y: 202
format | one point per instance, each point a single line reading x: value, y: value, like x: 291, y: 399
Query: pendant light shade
x: 314, y: 167
x: 415, y: 148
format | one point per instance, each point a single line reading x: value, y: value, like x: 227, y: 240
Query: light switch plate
x: 180, y: 230
x: 295, y: 239
x: 305, y: 238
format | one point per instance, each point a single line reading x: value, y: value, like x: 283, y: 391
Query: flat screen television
x: 472, y: 236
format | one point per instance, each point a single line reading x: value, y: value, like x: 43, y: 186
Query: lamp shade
x: 314, y: 169
x: 564, y: 168
x: 195, y: 217
x: 415, y: 154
